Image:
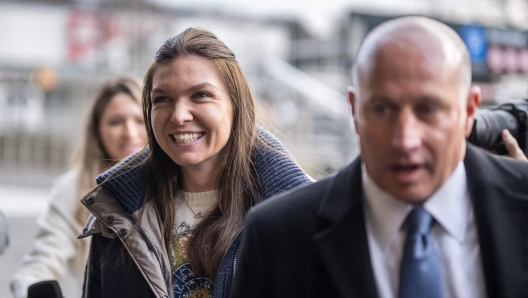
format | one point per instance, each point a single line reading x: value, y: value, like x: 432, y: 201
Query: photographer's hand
x: 514, y: 151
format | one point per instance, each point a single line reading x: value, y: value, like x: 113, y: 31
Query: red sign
x: 87, y: 33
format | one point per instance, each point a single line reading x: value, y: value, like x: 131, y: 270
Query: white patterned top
x: 190, y: 209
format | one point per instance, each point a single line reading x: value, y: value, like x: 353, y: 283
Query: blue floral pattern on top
x: 186, y: 283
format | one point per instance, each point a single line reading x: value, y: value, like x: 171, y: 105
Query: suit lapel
x: 342, y: 238
x: 501, y: 207
x: 500, y: 203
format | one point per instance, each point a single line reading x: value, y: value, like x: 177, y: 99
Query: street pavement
x: 21, y: 205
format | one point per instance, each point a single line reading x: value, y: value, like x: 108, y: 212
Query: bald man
x: 420, y: 213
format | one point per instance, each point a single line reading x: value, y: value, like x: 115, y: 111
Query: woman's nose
x: 132, y: 129
x: 182, y: 113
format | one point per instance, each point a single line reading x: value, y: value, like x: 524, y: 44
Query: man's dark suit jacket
x: 312, y: 241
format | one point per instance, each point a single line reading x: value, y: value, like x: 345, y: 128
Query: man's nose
x: 407, y: 135
x: 182, y: 112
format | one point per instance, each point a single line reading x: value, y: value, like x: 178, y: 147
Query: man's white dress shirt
x: 454, y: 234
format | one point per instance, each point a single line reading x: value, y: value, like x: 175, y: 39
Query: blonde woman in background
x: 114, y: 130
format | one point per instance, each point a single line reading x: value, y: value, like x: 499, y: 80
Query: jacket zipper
x: 234, y: 264
x: 232, y: 275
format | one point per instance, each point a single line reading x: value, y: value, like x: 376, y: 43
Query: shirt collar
x: 384, y: 214
x: 448, y: 206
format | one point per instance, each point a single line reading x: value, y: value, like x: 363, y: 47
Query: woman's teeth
x: 187, y: 137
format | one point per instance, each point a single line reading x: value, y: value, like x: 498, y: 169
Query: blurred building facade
x: 296, y: 54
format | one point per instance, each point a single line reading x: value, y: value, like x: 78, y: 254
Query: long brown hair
x: 90, y: 158
x: 237, y: 190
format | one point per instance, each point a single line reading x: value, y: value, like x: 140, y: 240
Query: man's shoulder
x: 492, y: 172
x: 297, y: 204
x: 501, y: 165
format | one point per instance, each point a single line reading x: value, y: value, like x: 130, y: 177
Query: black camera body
x: 491, y: 121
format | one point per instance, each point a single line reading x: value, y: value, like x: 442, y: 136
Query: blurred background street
x: 22, y: 205
x: 296, y: 54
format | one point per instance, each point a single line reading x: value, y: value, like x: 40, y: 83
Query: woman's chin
x: 184, y: 163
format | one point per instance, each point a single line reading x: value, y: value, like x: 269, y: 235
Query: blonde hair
x: 90, y: 158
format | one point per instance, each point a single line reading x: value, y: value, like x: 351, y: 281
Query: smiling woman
x: 177, y: 208
x: 192, y: 116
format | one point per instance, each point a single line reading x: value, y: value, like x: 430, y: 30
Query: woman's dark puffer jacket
x: 142, y: 268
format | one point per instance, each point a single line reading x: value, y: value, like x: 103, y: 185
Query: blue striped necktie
x: 421, y: 266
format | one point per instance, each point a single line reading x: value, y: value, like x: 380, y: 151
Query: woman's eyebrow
x: 200, y: 86
x: 194, y: 88
x: 158, y: 90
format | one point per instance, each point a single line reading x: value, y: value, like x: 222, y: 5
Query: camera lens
x: 488, y: 127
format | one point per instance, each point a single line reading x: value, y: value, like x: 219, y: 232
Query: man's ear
x: 472, y: 104
x: 352, y: 97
